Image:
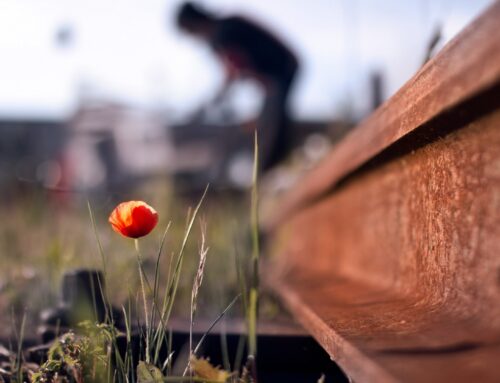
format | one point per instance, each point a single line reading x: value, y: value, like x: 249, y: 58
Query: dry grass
x: 40, y: 239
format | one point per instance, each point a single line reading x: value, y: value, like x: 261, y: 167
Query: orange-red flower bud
x: 133, y: 219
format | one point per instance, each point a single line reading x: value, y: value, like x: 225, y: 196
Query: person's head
x: 193, y: 18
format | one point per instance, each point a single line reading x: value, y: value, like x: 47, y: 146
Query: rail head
x: 468, y: 65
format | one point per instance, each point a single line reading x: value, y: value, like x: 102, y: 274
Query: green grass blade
x: 221, y: 315
x: 254, y: 287
x: 107, y: 305
x: 172, y: 287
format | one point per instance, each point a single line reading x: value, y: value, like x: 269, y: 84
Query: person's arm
x: 232, y: 63
x: 230, y: 75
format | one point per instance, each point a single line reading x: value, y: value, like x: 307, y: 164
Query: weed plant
x: 93, y: 354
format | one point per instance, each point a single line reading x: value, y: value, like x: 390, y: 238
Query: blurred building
x: 111, y: 145
x: 30, y: 152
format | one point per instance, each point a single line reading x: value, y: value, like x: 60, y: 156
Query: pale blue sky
x: 130, y: 51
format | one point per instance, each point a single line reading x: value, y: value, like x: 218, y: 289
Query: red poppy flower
x: 133, y: 219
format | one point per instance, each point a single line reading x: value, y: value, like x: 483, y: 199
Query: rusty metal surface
x: 389, y: 252
x: 397, y: 273
x: 465, y: 67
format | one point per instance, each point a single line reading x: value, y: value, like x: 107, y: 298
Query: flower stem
x: 141, y: 277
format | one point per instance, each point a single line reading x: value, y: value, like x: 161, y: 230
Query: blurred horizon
x: 56, y: 54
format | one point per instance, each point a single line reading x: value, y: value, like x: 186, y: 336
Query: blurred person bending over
x: 247, y: 50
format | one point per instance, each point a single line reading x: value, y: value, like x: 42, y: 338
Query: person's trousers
x: 274, y: 123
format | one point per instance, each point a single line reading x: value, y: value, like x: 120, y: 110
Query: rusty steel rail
x: 389, y: 251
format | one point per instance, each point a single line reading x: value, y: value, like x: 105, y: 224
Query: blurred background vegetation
x: 40, y: 239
